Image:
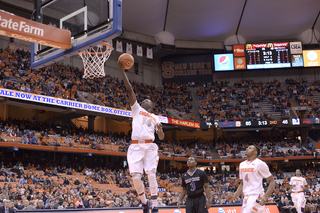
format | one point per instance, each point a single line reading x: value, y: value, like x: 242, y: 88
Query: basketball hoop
x: 93, y: 60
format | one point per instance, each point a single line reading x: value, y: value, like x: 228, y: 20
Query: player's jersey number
x: 147, y: 121
x: 246, y: 178
x: 193, y: 186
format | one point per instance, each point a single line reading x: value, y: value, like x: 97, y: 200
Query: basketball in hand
x: 126, y: 60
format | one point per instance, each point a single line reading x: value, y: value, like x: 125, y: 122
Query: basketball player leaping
x: 143, y: 153
x: 251, y: 173
x: 298, y: 185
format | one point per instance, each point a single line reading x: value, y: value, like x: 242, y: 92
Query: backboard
x: 91, y: 22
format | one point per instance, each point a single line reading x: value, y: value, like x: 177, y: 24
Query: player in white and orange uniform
x: 251, y: 173
x: 298, y: 185
x: 143, y: 153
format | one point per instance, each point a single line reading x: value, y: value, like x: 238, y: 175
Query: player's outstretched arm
x: 181, y: 196
x: 132, y: 95
x: 272, y: 184
x: 237, y: 193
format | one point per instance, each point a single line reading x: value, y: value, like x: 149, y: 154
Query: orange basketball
x: 126, y: 60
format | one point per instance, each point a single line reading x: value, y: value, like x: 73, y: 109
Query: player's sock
x: 154, y: 203
x: 143, y: 198
x: 154, y: 210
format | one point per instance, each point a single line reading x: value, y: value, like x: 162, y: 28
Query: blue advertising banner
x: 186, y: 68
x: 62, y: 102
x: 13, y: 94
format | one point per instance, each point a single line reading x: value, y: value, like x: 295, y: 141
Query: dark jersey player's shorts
x: 196, y: 204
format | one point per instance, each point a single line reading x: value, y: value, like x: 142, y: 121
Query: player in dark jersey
x: 194, y: 183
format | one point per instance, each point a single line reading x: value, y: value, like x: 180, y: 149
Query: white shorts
x: 298, y: 199
x: 250, y: 205
x: 143, y: 156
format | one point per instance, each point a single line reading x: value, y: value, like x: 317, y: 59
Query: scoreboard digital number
x: 284, y: 122
x: 262, y: 123
x: 255, y: 123
x: 268, y: 55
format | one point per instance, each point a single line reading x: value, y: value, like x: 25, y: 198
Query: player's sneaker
x: 154, y: 210
x: 146, y: 207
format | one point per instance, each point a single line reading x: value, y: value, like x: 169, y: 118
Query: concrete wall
x: 20, y: 112
x: 3, y: 111
x: 116, y: 126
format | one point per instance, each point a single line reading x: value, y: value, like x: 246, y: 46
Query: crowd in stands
x: 187, y: 147
x: 214, y: 103
x: 221, y: 101
x: 176, y: 96
x: 35, y: 133
x: 247, y: 95
x: 304, y: 94
x: 217, y: 100
x: 301, y: 92
x: 270, y: 147
x: 281, y: 195
x: 61, y: 188
x: 38, y: 187
x: 32, y: 187
x: 64, y: 81
x: 315, y: 105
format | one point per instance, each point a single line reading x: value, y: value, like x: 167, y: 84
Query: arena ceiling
x: 216, y: 20
x: 213, y: 20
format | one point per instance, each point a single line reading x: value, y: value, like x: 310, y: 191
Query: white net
x: 93, y: 60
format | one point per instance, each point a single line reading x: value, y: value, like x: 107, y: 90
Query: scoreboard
x: 263, y: 123
x: 267, y: 55
x: 254, y: 123
x: 267, y: 123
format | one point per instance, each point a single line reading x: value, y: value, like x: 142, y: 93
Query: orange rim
x: 100, y: 53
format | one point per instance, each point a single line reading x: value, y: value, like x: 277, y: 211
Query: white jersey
x: 251, y: 173
x: 143, y: 123
x: 299, y: 183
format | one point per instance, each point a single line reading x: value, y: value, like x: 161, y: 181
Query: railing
x: 313, y: 143
x: 88, y: 98
x: 294, y: 112
x: 46, y: 116
x: 82, y: 98
x: 310, y: 110
x: 175, y: 114
x: 76, y: 122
